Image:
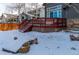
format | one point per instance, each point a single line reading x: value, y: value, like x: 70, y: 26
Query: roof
x: 27, y: 14
x: 5, y: 15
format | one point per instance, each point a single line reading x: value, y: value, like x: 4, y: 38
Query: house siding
x: 69, y: 13
x: 42, y: 13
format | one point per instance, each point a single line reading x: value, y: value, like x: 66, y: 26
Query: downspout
x: 45, y: 13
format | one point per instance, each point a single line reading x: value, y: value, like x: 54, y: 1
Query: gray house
x: 70, y: 11
x: 62, y: 10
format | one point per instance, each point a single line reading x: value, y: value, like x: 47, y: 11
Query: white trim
x: 54, y: 6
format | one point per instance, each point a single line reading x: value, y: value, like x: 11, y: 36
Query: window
x: 48, y: 13
x: 59, y: 13
x: 55, y: 12
x: 22, y: 17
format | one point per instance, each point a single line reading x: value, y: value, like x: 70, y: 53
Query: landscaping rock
x: 25, y: 48
x: 58, y: 47
x: 35, y: 41
x: 73, y: 38
x: 15, y: 38
x: 73, y: 48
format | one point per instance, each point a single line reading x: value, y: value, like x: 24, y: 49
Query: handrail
x: 42, y: 23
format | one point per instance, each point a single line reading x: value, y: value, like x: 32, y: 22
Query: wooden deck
x: 44, y: 25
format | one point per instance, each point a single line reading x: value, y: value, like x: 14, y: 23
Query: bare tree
x: 36, y: 6
x: 15, y: 7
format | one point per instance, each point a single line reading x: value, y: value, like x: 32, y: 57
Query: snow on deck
x: 53, y: 43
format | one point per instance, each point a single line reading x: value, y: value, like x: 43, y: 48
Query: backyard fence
x: 8, y: 26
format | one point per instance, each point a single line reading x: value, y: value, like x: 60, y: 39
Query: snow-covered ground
x: 53, y: 43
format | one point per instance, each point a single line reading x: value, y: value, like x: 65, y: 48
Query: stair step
x: 26, y: 28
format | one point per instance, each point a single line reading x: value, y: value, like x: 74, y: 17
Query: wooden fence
x: 8, y: 26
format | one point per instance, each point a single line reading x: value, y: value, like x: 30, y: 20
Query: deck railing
x: 49, y: 22
x: 45, y: 23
